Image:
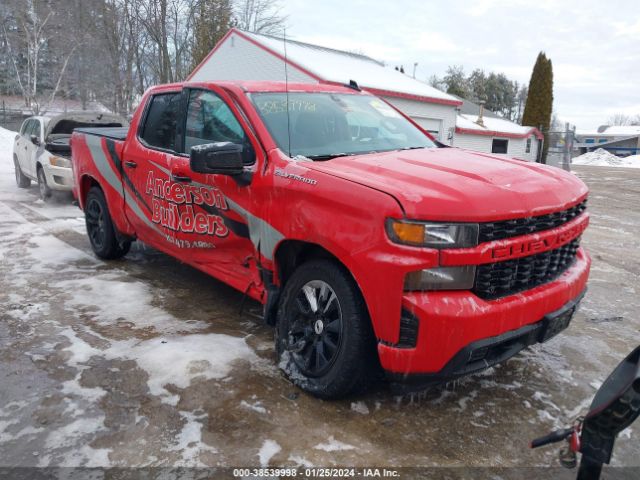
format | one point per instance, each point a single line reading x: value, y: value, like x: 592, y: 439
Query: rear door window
x: 159, y: 129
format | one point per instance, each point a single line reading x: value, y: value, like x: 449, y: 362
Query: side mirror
x: 35, y: 140
x: 615, y: 407
x: 224, y: 158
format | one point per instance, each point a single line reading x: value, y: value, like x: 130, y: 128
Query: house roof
x: 611, y: 131
x: 470, y: 108
x: 493, y: 126
x: 328, y: 65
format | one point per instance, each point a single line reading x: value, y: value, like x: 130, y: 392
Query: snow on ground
x: 174, y: 353
x: 333, y: 445
x: 267, y: 451
x: 602, y: 158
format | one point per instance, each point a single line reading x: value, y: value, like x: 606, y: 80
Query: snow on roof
x: 612, y: 131
x: 630, y: 130
x: 338, y: 66
x: 493, y: 125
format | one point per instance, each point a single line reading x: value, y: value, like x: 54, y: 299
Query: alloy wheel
x: 94, y: 215
x: 315, y: 329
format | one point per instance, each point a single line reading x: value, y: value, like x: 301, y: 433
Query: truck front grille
x: 495, y: 280
x: 523, y: 226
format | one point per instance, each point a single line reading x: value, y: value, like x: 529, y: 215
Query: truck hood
x: 450, y: 184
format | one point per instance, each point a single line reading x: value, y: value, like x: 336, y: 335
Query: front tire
x: 21, y: 179
x: 100, y: 228
x: 43, y: 188
x: 324, y: 340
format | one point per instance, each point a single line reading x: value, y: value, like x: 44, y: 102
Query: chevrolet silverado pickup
x: 370, y: 246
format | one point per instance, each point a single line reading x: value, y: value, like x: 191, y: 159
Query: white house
x: 497, y: 135
x: 248, y: 56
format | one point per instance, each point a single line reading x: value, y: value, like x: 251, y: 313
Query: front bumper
x: 59, y: 178
x: 485, y: 353
x: 454, y: 326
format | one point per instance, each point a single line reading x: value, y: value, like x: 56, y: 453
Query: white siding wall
x: 517, y: 148
x: 482, y: 143
x: 239, y: 59
x: 428, y: 115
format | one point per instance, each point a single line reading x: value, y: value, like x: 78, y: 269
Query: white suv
x: 41, y: 151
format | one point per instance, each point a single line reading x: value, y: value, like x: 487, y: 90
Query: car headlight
x: 433, y: 235
x: 60, y: 161
x: 441, y: 278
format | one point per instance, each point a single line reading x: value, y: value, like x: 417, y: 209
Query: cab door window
x: 36, y: 130
x: 27, y: 128
x: 209, y: 120
x: 159, y: 129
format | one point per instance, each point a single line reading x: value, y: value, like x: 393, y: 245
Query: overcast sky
x: 594, y: 45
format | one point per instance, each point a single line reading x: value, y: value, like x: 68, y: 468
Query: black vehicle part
x: 43, y: 188
x: 324, y: 340
x: 21, y: 179
x: 615, y: 407
x: 105, y: 242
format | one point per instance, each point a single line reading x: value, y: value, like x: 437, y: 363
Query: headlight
x: 441, y: 278
x: 60, y: 162
x: 433, y: 235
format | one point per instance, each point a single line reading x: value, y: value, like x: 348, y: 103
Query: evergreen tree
x: 539, y: 105
x: 456, y: 82
x: 213, y: 18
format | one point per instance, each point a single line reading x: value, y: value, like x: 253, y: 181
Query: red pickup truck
x: 370, y: 245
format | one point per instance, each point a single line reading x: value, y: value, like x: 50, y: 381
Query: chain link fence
x: 11, y: 119
x: 560, y: 147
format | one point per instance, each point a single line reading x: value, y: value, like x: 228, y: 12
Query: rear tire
x: 21, y: 179
x: 100, y: 228
x: 43, y: 188
x: 324, y: 341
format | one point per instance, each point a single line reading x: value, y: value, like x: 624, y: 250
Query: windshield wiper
x: 328, y: 156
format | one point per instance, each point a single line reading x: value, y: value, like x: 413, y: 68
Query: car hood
x: 450, y: 184
x: 65, y: 123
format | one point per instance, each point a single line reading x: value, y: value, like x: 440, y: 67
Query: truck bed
x: 114, y: 133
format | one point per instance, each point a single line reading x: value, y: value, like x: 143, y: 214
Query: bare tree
x: 260, y: 16
x: 619, y: 119
x: 28, y: 32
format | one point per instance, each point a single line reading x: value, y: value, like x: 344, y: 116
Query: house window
x: 602, y: 140
x: 589, y: 140
x: 499, y: 146
x: 528, y: 147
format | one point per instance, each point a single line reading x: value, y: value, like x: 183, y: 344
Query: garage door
x: 431, y: 125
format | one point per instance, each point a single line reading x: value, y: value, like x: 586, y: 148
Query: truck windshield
x: 326, y: 125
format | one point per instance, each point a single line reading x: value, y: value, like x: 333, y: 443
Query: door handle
x: 181, y: 178
x: 131, y: 164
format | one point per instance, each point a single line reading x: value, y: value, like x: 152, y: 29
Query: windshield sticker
x: 269, y: 107
x: 168, y: 197
x: 384, y: 109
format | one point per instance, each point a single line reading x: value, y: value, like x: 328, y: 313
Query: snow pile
x: 602, y: 158
x: 333, y: 445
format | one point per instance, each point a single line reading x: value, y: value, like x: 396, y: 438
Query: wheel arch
x: 85, y: 184
x: 289, y: 255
